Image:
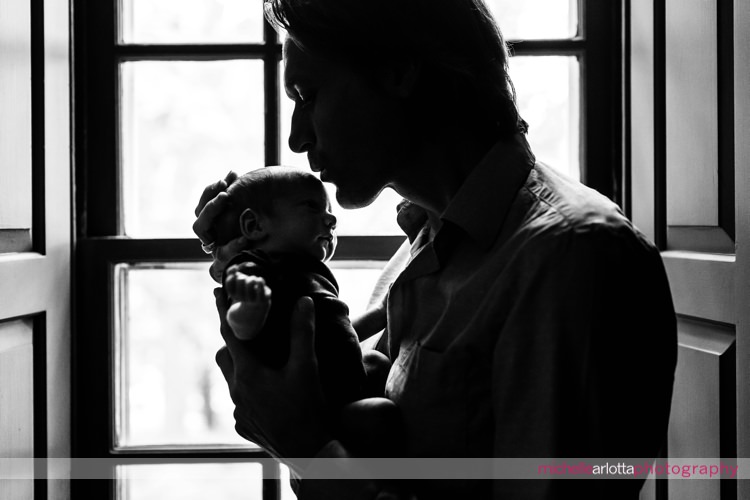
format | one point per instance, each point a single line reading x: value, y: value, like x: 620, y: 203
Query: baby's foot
x: 251, y: 301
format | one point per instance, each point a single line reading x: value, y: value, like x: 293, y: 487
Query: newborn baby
x: 285, y: 216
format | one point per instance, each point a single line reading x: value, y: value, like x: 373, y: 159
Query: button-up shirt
x: 533, y: 320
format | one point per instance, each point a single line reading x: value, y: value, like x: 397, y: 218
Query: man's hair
x: 258, y: 189
x: 456, y: 44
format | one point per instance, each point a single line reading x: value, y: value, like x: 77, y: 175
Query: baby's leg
x: 372, y: 427
x: 251, y: 301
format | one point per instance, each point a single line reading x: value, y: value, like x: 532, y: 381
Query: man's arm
x: 583, y: 367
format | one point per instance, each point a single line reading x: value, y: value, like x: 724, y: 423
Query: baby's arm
x: 251, y: 301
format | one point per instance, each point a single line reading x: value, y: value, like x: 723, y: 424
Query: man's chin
x: 350, y: 200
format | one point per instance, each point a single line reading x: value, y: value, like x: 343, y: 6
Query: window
x: 172, y: 94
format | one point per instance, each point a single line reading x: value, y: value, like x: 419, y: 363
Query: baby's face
x: 302, y: 223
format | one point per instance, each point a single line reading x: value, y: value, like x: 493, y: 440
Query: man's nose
x: 301, y: 137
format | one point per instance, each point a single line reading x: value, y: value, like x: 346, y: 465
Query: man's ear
x: 252, y: 226
x: 400, y: 78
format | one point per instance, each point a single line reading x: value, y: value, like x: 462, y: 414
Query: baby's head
x: 279, y: 210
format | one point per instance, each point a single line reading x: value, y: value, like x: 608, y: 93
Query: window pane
x: 185, y: 124
x: 190, y: 481
x: 549, y: 100
x: 356, y: 282
x: 379, y: 219
x: 169, y: 390
x: 192, y: 21
x: 540, y: 19
x: 286, y: 489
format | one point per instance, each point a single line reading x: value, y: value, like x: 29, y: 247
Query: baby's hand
x: 251, y: 301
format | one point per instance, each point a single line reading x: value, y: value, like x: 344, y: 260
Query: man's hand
x: 212, y: 203
x: 282, y: 410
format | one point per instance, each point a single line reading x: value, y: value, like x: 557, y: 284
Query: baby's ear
x: 252, y: 226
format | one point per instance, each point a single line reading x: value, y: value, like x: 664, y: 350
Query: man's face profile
x: 350, y: 128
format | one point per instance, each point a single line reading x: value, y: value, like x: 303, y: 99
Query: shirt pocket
x: 434, y: 392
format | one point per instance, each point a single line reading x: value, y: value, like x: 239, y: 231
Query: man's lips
x: 315, y: 167
x: 313, y: 161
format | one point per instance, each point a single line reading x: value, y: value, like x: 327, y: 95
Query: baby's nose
x: 330, y: 220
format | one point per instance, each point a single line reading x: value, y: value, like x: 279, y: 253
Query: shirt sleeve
x: 584, y: 364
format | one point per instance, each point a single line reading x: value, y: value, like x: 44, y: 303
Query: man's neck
x: 438, y: 171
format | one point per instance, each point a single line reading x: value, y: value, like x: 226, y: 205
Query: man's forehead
x: 298, y: 65
x: 301, y: 67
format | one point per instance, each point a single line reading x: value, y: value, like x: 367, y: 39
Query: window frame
x: 100, y: 244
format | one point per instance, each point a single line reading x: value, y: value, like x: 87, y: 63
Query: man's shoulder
x: 566, y: 205
x: 563, y: 210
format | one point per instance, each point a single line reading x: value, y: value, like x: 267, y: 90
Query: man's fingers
x: 208, y: 194
x: 225, y: 252
x: 224, y: 360
x: 212, y: 190
x: 203, y: 224
x: 230, y: 178
x: 302, y: 342
x: 222, y: 305
x: 222, y: 302
x: 223, y: 255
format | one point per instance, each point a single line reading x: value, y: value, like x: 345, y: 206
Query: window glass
x: 536, y: 19
x: 379, y: 219
x: 191, y: 21
x: 286, y: 489
x: 190, y: 481
x: 169, y: 390
x: 356, y: 281
x: 184, y: 125
x: 548, y: 99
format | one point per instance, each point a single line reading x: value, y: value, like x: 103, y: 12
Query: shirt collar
x: 483, y: 201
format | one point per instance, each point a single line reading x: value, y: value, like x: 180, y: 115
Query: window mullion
x: 123, y: 249
x: 272, y: 99
x: 96, y: 118
x: 602, y: 100
x: 181, y: 52
x: 567, y: 47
